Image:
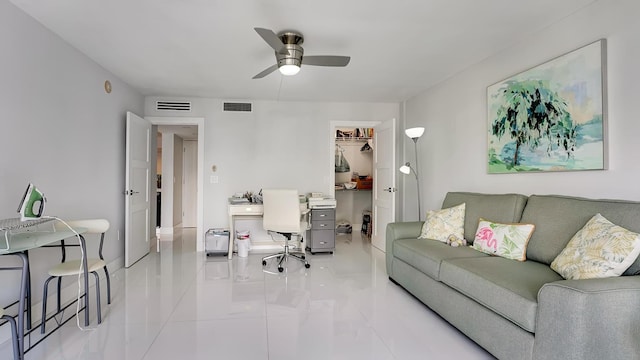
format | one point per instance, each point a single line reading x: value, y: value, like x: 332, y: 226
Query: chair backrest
x: 281, y: 210
x: 93, y: 226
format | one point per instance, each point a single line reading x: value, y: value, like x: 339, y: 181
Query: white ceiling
x: 208, y: 48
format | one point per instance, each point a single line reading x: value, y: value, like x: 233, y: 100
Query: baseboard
x: 166, y: 230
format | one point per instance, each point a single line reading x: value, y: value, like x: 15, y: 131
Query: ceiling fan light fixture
x: 289, y: 69
x: 290, y: 54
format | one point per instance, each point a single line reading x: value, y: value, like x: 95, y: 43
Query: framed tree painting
x: 551, y: 117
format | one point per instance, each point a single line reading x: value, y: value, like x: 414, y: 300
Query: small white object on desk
x: 321, y: 203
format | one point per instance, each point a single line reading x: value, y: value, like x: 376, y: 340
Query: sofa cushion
x: 600, y: 249
x: 427, y: 255
x: 506, y: 240
x: 440, y: 224
x: 507, y: 287
x: 558, y: 219
x: 504, y: 208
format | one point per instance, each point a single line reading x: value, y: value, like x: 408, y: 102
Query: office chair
x: 282, y: 215
x: 72, y: 267
x: 14, y: 333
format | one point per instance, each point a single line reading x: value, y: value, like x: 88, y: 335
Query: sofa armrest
x: 589, y: 319
x: 399, y: 230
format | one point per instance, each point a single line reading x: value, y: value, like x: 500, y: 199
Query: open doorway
x: 193, y: 144
x: 383, y: 191
x: 352, y: 175
x: 177, y: 163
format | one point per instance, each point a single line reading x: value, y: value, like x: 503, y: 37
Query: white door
x: 189, y: 183
x: 384, y: 180
x: 137, y: 191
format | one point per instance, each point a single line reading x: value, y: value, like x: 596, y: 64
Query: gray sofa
x: 523, y: 310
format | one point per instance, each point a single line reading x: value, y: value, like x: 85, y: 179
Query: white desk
x: 239, y: 211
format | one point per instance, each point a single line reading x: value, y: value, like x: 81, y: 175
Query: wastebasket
x: 243, y: 241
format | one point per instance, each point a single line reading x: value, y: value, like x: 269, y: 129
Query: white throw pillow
x: 505, y: 240
x: 600, y: 249
x: 441, y: 224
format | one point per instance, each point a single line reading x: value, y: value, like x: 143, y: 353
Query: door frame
x: 199, y: 121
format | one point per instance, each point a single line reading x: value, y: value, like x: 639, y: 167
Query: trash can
x: 243, y: 241
x: 216, y: 242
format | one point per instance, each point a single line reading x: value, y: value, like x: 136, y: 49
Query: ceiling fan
x: 290, y: 55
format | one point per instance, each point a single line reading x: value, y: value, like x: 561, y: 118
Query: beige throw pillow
x: 440, y: 224
x: 600, y: 249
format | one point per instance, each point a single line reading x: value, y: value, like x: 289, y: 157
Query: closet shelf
x: 352, y: 139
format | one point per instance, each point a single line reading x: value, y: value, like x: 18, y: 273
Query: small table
x: 248, y: 210
x: 18, y: 243
x: 241, y: 210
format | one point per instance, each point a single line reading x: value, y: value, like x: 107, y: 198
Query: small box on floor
x: 216, y: 242
x: 366, y: 223
x: 343, y: 227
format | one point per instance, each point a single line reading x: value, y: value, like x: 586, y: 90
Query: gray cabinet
x: 322, y: 236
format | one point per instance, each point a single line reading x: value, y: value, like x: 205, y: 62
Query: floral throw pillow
x: 505, y: 240
x: 600, y: 249
x: 440, y: 224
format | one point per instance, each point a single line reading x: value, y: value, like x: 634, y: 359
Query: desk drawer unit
x: 322, y: 236
x: 246, y: 209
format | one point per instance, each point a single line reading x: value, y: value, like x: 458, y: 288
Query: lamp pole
x: 415, y: 171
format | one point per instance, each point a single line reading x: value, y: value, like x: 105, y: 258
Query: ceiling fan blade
x: 273, y: 40
x: 326, y: 60
x: 266, y: 72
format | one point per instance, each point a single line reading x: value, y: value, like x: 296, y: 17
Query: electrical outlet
x: 213, y: 179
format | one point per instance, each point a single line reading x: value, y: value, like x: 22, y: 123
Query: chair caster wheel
x: 307, y: 265
x: 264, y: 263
x: 281, y: 269
x: 303, y: 257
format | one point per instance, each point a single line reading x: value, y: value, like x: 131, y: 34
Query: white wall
x: 178, y: 149
x: 453, y: 149
x: 62, y: 132
x: 279, y: 144
x: 166, y: 208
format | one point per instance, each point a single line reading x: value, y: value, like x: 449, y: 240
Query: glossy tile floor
x: 177, y: 304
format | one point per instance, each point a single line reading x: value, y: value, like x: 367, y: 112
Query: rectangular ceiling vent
x: 173, y: 105
x: 237, y: 106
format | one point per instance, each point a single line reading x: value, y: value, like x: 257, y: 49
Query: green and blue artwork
x: 551, y: 117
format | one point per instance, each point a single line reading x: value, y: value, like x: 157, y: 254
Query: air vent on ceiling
x: 237, y: 106
x: 173, y: 105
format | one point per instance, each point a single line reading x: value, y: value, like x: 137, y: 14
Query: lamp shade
x: 415, y: 132
x: 289, y: 69
x: 405, y: 169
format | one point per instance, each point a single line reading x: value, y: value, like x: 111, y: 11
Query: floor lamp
x: 415, y: 134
